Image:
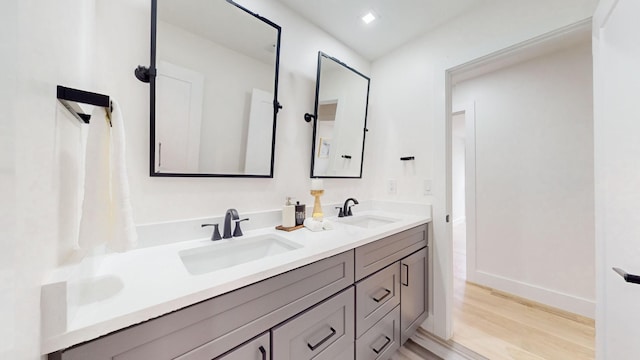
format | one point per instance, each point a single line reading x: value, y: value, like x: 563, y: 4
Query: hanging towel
x: 124, y: 235
x: 106, y: 209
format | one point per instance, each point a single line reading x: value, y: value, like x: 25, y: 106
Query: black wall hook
x: 308, y: 117
x: 143, y: 73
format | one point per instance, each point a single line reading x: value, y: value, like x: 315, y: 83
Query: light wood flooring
x: 498, y: 326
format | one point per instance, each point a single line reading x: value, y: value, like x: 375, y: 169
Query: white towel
x: 313, y: 225
x: 95, y: 223
x: 124, y: 229
x: 316, y: 225
x: 106, y: 209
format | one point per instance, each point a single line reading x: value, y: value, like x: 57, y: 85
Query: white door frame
x: 469, y: 110
x: 616, y: 243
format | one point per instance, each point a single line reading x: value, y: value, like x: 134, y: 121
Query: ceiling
x: 398, y: 21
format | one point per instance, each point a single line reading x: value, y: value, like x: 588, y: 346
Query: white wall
x: 534, y: 179
x: 408, y: 111
x: 48, y: 43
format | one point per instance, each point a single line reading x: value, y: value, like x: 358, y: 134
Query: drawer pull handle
x: 263, y: 352
x: 630, y: 278
x: 405, y: 275
x: 386, y: 343
x: 387, y: 292
x: 324, y: 340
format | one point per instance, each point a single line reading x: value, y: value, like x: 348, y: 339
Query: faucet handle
x: 340, y: 213
x: 216, y: 233
x: 349, y: 213
x: 237, y: 231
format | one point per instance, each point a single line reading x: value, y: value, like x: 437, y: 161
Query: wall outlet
x: 392, y: 187
x: 427, y: 187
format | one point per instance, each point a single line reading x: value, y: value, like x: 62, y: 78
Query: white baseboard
x: 566, y: 302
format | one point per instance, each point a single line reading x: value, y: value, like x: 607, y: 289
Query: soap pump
x: 288, y: 214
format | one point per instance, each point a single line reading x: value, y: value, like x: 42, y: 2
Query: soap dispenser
x: 288, y: 214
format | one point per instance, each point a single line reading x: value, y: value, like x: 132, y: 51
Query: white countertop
x: 149, y: 282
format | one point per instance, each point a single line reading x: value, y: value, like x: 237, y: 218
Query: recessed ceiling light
x: 368, y: 18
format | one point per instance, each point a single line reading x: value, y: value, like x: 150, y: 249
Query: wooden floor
x: 501, y: 326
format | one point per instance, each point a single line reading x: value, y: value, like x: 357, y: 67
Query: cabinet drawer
x: 376, y: 296
x: 379, y: 254
x: 231, y: 318
x: 256, y: 349
x: 382, y: 340
x: 324, y: 332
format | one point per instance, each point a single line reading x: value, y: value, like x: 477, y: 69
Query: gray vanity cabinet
x: 363, y: 304
x: 324, y: 332
x: 413, y: 293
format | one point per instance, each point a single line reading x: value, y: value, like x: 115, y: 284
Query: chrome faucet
x: 346, y: 209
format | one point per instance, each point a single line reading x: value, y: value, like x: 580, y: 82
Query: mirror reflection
x: 215, y: 90
x: 342, y: 96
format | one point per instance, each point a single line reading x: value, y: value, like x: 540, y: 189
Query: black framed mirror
x: 214, y: 90
x: 340, y: 120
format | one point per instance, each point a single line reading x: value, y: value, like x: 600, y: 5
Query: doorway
x: 531, y: 168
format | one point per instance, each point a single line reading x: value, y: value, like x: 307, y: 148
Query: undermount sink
x: 235, y: 251
x: 366, y: 221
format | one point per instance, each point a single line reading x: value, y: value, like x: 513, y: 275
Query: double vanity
x: 358, y: 291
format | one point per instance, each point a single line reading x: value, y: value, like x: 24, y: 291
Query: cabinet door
x: 256, y: 349
x: 324, y: 332
x: 414, y: 305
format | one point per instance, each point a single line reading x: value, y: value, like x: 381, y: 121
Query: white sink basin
x: 367, y: 221
x: 236, y: 251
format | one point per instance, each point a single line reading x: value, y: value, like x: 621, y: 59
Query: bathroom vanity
x: 360, y: 303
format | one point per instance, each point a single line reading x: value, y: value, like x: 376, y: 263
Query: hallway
x: 497, y: 325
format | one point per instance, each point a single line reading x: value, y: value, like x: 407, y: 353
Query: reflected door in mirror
x: 215, y: 89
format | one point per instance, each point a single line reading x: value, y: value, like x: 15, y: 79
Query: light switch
x: 392, y: 187
x: 427, y: 187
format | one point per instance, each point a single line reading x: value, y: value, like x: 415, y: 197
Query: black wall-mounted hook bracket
x: 408, y: 158
x: 308, y: 117
x: 143, y: 73
x: 346, y: 156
